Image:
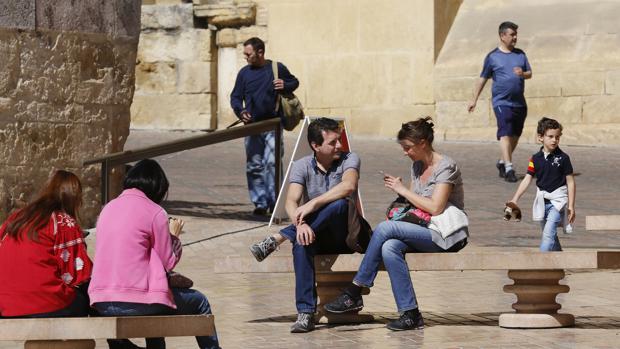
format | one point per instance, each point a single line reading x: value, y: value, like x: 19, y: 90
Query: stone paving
x: 208, y: 190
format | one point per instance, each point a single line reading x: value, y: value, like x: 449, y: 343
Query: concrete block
x: 458, y: 89
x: 179, y: 112
x: 195, y: 77
x: 601, y: 109
x: 612, y: 82
x: 583, y: 84
x: 156, y: 78
x: 189, y: 45
x: 543, y: 85
x: 167, y: 17
x: 455, y: 114
x: 567, y: 110
x: 609, y: 222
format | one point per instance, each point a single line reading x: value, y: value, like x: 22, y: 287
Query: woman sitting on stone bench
x: 43, y: 260
x: 136, y: 246
x: 436, y: 187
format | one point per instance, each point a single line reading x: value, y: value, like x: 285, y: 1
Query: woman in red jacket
x: 43, y: 257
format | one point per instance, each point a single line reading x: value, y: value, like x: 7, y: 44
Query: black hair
x: 415, y: 131
x: 507, y: 25
x: 148, y: 177
x: 316, y: 128
x: 256, y: 43
x: 545, y: 124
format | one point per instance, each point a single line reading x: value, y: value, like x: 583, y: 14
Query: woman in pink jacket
x: 135, y: 248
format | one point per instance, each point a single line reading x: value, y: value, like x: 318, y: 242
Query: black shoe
x: 511, y: 176
x: 264, y: 248
x: 410, y: 320
x: 344, y: 304
x: 304, y: 323
x: 261, y: 211
x: 502, y: 169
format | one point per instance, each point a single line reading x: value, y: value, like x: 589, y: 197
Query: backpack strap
x: 274, y: 68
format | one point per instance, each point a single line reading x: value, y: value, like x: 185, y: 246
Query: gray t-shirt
x: 447, y: 171
x: 306, y: 172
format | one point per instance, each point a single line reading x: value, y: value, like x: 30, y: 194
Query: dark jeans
x: 330, y: 226
x: 188, y: 301
x: 78, y: 308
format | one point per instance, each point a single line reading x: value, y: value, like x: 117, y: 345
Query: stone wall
x: 66, y: 84
x: 574, y: 50
x: 175, y: 72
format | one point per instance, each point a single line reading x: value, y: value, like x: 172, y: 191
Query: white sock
x: 508, y: 166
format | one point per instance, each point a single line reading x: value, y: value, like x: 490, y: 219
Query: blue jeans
x: 261, y: 168
x: 389, y: 243
x: 330, y: 226
x: 188, y: 302
x: 553, y: 217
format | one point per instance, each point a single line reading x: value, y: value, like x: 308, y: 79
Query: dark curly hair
x: 545, y: 124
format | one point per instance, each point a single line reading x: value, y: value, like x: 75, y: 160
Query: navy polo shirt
x: 550, y: 172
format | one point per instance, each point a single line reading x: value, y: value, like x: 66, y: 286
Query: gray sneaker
x: 304, y: 323
x: 264, y: 248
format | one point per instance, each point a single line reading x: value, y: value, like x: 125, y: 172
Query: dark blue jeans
x: 78, y: 308
x: 188, y: 301
x: 330, y: 226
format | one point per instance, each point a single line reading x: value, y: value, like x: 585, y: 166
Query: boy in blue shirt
x: 555, y: 195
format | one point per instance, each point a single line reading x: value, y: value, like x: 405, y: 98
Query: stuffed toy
x: 512, y: 211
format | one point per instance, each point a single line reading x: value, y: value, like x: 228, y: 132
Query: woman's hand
x: 176, y: 225
x: 394, y: 183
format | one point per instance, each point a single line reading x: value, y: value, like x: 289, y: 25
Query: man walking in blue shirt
x: 509, y: 67
x: 254, y: 99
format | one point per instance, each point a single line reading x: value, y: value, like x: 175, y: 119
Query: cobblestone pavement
x: 208, y: 190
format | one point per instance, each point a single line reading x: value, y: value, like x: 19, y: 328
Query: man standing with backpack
x: 254, y: 98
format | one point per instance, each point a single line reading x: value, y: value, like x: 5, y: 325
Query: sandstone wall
x: 574, y: 50
x: 66, y: 84
x: 175, y: 72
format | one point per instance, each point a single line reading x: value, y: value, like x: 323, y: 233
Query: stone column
x: 66, y: 85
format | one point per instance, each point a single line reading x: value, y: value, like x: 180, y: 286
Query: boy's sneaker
x: 511, y: 176
x: 304, y: 323
x: 501, y: 168
x: 409, y: 320
x: 264, y: 248
x: 344, y: 304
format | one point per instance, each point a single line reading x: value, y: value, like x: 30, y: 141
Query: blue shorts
x: 510, y: 120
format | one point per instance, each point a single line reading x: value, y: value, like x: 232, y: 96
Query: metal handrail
x: 115, y: 159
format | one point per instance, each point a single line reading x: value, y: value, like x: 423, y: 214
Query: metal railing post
x: 278, y: 156
x: 105, y: 181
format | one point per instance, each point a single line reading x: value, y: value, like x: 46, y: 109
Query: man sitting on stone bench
x: 322, y: 192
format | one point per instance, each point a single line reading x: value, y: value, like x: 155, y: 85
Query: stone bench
x: 609, y: 222
x: 536, y: 277
x: 80, y: 333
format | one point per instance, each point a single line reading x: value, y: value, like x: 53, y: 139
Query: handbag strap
x: 274, y: 68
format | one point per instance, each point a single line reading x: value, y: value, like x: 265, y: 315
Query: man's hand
x: 305, y: 234
x: 175, y: 225
x: 302, y: 211
x: 471, y: 106
x: 278, y: 84
x: 571, y: 215
x: 518, y: 71
x: 245, y: 117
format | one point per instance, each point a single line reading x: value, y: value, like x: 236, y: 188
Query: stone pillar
x: 66, y: 85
